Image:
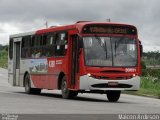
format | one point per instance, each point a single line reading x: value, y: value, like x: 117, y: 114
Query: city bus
x: 84, y: 57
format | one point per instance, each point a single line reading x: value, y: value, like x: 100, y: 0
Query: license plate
x: 113, y: 83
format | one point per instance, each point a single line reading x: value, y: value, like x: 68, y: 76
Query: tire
x: 67, y: 94
x: 74, y: 93
x: 28, y: 88
x: 113, y: 96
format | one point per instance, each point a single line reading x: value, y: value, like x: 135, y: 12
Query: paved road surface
x: 14, y: 100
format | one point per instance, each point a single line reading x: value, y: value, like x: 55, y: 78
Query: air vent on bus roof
x: 52, y: 26
x: 82, y: 21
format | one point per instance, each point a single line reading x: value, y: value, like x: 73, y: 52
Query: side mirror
x: 141, y: 48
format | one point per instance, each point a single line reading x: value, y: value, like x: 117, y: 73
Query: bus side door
x: 16, y: 61
x: 73, y: 60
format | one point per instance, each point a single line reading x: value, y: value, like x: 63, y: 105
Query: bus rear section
x: 86, y: 57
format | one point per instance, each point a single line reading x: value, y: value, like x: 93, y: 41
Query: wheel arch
x: 24, y: 77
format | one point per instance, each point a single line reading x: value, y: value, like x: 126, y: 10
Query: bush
x: 151, y: 72
x: 3, y: 59
x: 143, y: 64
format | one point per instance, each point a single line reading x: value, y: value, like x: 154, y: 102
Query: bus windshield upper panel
x: 110, y: 51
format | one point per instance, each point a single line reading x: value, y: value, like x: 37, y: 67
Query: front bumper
x: 89, y: 83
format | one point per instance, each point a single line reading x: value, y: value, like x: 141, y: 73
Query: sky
x: 17, y: 16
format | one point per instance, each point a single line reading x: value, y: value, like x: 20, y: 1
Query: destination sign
x: 109, y: 29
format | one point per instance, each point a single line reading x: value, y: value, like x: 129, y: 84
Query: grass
x: 3, y: 59
x: 150, y: 86
x: 3, y: 63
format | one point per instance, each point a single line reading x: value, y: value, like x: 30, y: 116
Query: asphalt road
x: 14, y: 100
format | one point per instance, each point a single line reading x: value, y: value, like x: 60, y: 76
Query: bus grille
x: 104, y: 85
x: 114, y: 78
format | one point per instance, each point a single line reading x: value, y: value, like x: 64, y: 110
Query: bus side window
x: 51, y: 39
x: 11, y: 48
x: 63, y: 38
x: 44, y: 45
x: 25, y: 47
x: 50, y: 48
x: 44, y: 40
x: 35, y: 47
x: 61, y: 44
x: 22, y: 48
x: 32, y: 41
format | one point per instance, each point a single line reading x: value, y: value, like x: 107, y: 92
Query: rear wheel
x: 67, y: 94
x: 113, y: 96
x: 28, y: 88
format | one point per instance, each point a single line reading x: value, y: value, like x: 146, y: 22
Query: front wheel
x: 28, y: 88
x: 67, y: 94
x: 113, y: 96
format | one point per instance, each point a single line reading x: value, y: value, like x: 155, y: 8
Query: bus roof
x: 78, y: 25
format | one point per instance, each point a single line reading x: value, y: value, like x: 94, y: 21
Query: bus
x: 84, y: 57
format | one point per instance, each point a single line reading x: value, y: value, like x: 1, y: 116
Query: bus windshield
x: 110, y: 51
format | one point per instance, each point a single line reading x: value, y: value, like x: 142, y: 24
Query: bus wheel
x: 28, y: 88
x: 67, y: 94
x: 113, y: 96
x: 74, y: 93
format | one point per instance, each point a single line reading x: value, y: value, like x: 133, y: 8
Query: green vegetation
x: 150, y: 79
x: 151, y: 58
x: 3, y: 56
x: 150, y: 82
x: 150, y: 86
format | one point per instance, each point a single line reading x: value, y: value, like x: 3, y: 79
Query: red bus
x: 85, y: 57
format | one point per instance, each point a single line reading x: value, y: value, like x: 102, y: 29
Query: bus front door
x: 74, y: 61
x: 16, y: 62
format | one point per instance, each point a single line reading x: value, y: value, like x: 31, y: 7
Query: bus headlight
x: 89, y: 74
